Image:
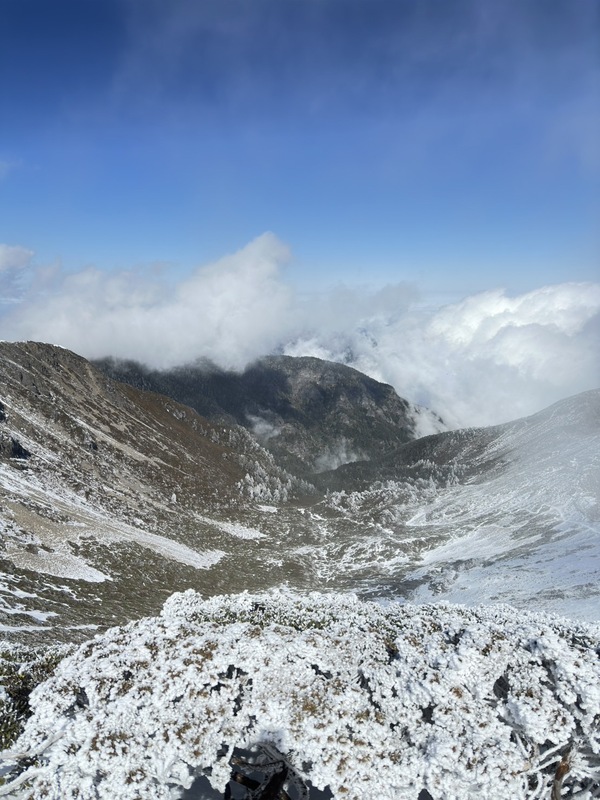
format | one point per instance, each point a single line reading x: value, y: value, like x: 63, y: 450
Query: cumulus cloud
x: 487, y: 359
x: 484, y: 360
x: 229, y: 311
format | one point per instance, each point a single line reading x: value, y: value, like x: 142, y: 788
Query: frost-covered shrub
x: 371, y: 702
x: 21, y: 670
x: 259, y: 484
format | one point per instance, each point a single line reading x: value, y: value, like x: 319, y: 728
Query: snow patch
x: 58, y: 564
x: 234, y: 529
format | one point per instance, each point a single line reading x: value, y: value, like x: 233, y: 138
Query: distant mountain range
x: 120, y: 485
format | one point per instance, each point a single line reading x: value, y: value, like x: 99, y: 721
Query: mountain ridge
x: 92, y: 470
x: 311, y: 414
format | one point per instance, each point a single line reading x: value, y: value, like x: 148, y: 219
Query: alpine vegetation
x: 288, y: 694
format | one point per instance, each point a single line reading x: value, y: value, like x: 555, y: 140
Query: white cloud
x: 14, y: 261
x: 13, y: 258
x: 486, y: 359
x: 229, y: 311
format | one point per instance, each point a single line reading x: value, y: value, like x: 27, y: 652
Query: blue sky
x: 453, y: 144
x: 411, y: 187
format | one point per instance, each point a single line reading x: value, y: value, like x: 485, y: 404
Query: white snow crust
x: 371, y: 702
x: 57, y: 560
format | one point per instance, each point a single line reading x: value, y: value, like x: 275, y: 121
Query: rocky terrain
x: 113, y: 496
x: 110, y: 497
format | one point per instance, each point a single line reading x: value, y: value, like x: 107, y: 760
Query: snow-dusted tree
x: 369, y: 701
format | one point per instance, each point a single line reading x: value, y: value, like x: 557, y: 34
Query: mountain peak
x: 311, y: 414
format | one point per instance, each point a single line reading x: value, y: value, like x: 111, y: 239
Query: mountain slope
x: 311, y: 414
x: 111, y: 498
x: 509, y: 513
x: 102, y: 483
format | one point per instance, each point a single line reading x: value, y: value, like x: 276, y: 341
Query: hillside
x: 115, y: 500
x: 111, y: 498
x: 320, y: 696
x: 313, y: 415
x: 502, y: 514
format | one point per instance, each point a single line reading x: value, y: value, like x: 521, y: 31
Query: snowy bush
x: 260, y: 484
x: 21, y: 669
x: 371, y: 702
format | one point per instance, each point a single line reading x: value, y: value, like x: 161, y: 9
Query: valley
x: 113, y: 496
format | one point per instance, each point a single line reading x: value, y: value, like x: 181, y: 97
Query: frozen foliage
x: 21, y: 669
x: 371, y: 702
x: 264, y: 480
x: 265, y: 484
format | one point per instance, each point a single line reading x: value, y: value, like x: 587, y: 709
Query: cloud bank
x: 484, y: 360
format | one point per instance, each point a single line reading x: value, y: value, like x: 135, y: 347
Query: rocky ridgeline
x: 99, y: 480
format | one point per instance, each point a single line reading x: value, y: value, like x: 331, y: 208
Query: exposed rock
x: 104, y: 462
x: 12, y: 448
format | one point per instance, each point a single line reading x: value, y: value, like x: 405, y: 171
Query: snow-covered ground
x: 520, y: 522
x: 55, y: 557
x: 348, y: 697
